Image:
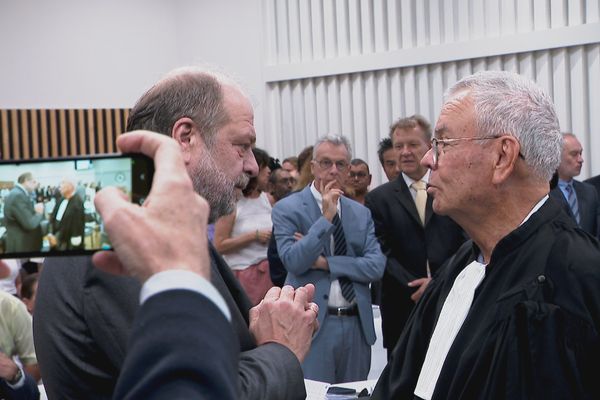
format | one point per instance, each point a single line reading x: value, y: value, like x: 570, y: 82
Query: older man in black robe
x: 516, y: 312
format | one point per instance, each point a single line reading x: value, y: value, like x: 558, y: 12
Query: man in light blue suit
x: 327, y: 239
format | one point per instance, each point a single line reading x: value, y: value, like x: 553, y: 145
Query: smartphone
x: 47, y: 205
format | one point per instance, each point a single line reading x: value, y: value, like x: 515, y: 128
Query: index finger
x: 162, y: 149
x: 272, y: 294
x: 329, y: 185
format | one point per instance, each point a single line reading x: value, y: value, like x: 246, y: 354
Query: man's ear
x: 184, y: 133
x: 507, y: 157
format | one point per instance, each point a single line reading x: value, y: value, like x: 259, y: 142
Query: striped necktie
x: 339, y: 248
x: 572, y: 200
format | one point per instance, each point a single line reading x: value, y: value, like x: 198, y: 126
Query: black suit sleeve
x: 181, y: 347
x: 29, y: 391
x: 276, y: 268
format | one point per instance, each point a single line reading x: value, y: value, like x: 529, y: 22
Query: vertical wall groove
x: 363, y: 105
x: 28, y: 134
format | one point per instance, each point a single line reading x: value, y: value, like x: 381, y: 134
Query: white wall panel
x: 593, y: 77
x: 365, y: 63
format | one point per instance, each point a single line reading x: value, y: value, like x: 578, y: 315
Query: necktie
x: 420, y: 198
x: 339, y: 248
x: 572, y: 200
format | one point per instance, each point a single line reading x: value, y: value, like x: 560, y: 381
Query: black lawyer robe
x: 532, y: 330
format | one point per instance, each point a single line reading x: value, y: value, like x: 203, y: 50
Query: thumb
x: 108, y: 261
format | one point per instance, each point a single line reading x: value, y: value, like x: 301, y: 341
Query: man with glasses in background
x: 327, y: 239
x: 515, y: 313
x: 359, y: 179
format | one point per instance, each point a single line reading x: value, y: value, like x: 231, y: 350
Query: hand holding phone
x: 47, y: 205
x: 169, y: 230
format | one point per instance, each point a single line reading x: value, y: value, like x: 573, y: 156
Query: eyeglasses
x: 327, y: 164
x: 435, y: 145
x: 359, y: 175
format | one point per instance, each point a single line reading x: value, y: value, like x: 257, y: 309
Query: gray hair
x: 506, y: 103
x: 336, y: 140
x: 192, y: 92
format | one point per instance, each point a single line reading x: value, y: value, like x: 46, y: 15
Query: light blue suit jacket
x: 364, y: 262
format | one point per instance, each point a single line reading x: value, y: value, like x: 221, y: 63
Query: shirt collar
x: 409, y: 181
x: 563, y: 184
x: 22, y: 188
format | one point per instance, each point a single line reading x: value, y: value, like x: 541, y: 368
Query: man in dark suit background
x: 67, y: 220
x: 23, y: 218
x: 595, y: 182
x: 84, y: 316
x: 415, y: 242
x: 579, y: 199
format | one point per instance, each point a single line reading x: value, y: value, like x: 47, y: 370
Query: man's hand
x: 4, y: 270
x: 330, y: 195
x: 421, y: 284
x: 52, y: 240
x: 39, y: 208
x: 286, y: 316
x: 322, y: 263
x: 8, y: 368
x: 169, y: 230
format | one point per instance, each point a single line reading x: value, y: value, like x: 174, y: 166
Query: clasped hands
x: 288, y: 317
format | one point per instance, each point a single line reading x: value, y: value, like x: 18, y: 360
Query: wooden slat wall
x: 26, y: 134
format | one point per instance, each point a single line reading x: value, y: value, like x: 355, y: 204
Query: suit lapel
x: 587, y: 208
x: 227, y: 284
x: 428, y: 209
x: 560, y: 197
x: 312, y: 213
x: 405, y: 198
x: 310, y: 205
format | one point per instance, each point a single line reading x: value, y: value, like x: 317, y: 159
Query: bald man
x: 67, y: 219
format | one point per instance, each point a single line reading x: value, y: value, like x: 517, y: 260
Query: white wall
x: 106, y: 53
x: 70, y: 54
x: 354, y: 66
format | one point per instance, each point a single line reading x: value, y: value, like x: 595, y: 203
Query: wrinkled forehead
x: 332, y: 151
x: 457, y: 113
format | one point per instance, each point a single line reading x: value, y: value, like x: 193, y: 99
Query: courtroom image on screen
x: 49, y: 206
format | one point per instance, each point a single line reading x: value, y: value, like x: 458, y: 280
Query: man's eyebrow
x: 440, y: 131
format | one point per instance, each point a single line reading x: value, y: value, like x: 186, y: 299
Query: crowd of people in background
x: 465, y: 219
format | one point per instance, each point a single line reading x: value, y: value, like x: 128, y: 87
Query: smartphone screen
x: 47, y: 205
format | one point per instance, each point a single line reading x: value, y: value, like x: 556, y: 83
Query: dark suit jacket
x: 71, y: 225
x: 29, y: 391
x: 595, y: 182
x: 173, y: 333
x: 84, y: 316
x: 589, y: 206
x: 23, y: 230
x: 407, y: 245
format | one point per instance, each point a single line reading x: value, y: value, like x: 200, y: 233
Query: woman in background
x: 242, y: 237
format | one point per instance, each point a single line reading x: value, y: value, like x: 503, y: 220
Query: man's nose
x: 427, y: 160
x: 250, y: 165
